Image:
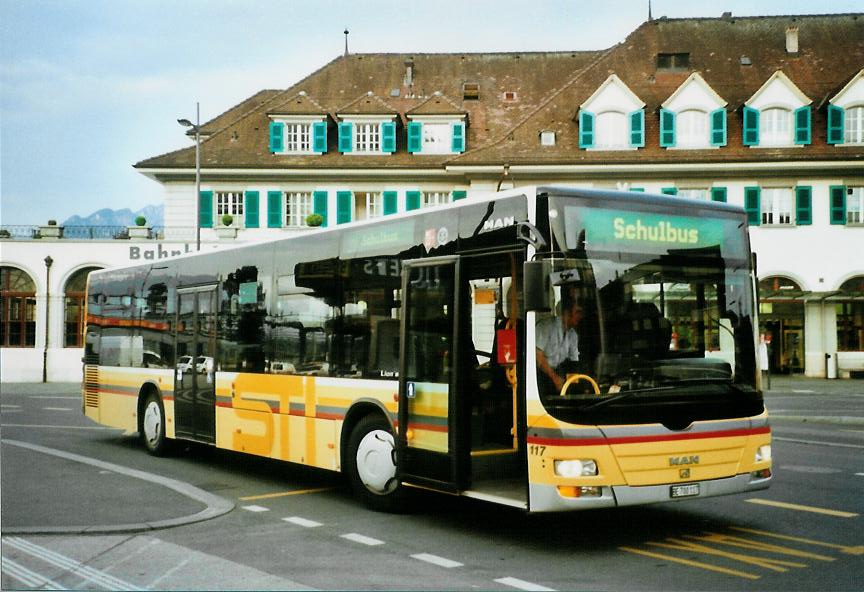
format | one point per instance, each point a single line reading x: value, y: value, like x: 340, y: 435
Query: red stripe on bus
x: 645, y: 439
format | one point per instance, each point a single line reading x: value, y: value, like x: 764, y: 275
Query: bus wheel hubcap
x: 375, y: 463
x: 152, y: 422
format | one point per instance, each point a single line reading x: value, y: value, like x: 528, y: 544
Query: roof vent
x: 746, y: 61
x: 395, y: 92
x: 792, y: 40
x: 470, y: 91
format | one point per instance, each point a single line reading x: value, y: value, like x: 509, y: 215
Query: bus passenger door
x: 195, y: 377
x: 430, y: 440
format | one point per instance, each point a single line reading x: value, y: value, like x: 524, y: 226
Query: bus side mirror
x: 535, y: 278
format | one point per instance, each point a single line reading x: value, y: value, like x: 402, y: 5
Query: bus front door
x: 195, y: 378
x: 430, y: 442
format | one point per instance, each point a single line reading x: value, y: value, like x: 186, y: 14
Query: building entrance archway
x: 781, y: 322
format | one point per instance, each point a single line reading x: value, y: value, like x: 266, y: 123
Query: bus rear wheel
x: 152, y: 425
x: 371, y: 464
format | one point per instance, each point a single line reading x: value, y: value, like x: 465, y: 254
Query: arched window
x: 692, y: 129
x: 850, y: 315
x: 776, y: 127
x: 853, y: 125
x: 17, y: 308
x: 612, y: 130
x: 75, y: 294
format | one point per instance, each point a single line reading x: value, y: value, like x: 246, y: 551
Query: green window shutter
x: 205, y: 209
x: 277, y: 130
x: 667, y: 128
x: 319, y: 205
x: 343, y: 207
x: 837, y: 196
x: 388, y: 137
x: 835, y: 124
x: 803, y: 205
x: 752, y: 205
x: 319, y: 137
x: 637, y: 128
x: 718, y: 194
x: 346, y: 141
x: 274, y: 209
x: 802, y: 125
x: 669, y: 191
x: 415, y: 136
x: 458, y: 144
x: 750, y: 135
x: 412, y: 200
x: 250, y: 205
x: 390, y: 201
x: 718, y: 128
x: 638, y: 189
x: 459, y: 194
x: 586, y: 129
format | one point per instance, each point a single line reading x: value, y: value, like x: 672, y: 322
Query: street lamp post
x: 49, y: 261
x: 196, y: 127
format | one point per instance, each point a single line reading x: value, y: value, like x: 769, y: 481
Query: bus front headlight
x: 576, y: 468
x: 763, y: 453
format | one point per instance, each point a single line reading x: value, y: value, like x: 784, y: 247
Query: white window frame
x: 298, y: 205
x: 297, y: 137
x: 702, y: 193
x: 367, y: 137
x: 855, y: 206
x: 692, y: 129
x: 437, y: 137
x: 230, y: 202
x: 547, y: 138
x: 853, y: 125
x: 611, y: 131
x: 777, y: 205
x: 431, y: 199
x: 367, y: 205
x: 775, y: 127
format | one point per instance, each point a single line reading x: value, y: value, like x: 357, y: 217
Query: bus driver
x: 558, y: 342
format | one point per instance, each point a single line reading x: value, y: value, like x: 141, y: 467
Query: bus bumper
x: 547, y: 498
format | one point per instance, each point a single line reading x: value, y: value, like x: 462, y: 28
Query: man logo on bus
x: 683, y: 460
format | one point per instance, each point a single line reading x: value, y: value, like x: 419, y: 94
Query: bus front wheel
x: 371, y: 464
x: 152, y: 427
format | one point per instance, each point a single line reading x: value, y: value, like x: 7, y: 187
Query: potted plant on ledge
x: 51, y: 230
x: 140, y: 230
x: 227, y: 230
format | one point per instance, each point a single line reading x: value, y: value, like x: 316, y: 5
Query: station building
x: 763, y: 112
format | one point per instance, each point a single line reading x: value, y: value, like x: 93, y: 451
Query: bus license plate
x: 687, y: 490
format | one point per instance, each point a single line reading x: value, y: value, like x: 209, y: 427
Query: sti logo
x: 676, y: 461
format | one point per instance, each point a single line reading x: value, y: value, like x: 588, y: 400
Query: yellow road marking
x: 731, y: 572
x: 856, y: 550
x: 772, y: 564
x: 284, y: 494
x: 786, y: 506
x: 734, y: 541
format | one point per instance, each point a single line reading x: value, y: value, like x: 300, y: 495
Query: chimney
x: 792, y: 40
x: 409, y: 75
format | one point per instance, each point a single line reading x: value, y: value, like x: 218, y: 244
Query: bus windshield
x: 662, y: 310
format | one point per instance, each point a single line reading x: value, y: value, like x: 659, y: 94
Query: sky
x: 90, y: 87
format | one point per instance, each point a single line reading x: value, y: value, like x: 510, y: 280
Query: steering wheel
x: 576, y: 378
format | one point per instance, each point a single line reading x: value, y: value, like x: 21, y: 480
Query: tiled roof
x: 299, y: 104
x: 521, y: 94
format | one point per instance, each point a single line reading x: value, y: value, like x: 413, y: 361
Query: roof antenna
x: 346, y: 42
x: 650, y: 18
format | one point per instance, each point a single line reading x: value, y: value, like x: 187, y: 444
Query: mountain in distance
x: 124, y: 217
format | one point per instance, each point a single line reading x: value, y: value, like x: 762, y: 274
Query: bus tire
x: 371, y: 464
x: 152, y: 425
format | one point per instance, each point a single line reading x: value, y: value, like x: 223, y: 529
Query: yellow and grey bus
x: 403, y: 351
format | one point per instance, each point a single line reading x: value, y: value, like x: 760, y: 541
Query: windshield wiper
x: 624, y: 395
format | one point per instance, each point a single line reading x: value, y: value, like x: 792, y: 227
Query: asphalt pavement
x: 162, y: 502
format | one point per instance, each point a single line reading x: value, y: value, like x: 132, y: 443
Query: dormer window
x: 693, y: 117
x: 298, y: 136
x: 367, y: 136
x: 613, y: 118
x: 846, y: 113
x: 436, y: 135
x: 778, y: 115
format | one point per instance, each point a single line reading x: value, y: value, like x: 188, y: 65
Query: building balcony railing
x: 33, y: 232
